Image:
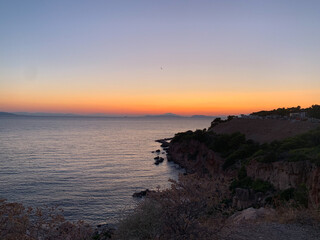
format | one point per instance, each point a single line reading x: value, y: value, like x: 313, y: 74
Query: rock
x: 164, y: 144
x: 142, y: 193
x: 244, y: 198
x: 157, y: 158
x: 284, y: 175
x: 251, y: 214
x: 195, y: 156
x: 158, y: 151
x: 163, y: 152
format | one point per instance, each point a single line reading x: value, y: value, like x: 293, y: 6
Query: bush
x: 18, y: 222
x: 243, y: 181
x: 182, y: 212
x: 262, y: 186
x: 269, y: 157
x: 143, y: 223
x: 298, y: 196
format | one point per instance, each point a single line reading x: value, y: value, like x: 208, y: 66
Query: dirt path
x: 272, y: 231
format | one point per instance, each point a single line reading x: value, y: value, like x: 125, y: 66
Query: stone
x: 251, y: 214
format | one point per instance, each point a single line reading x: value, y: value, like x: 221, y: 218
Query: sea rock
x: 165, y: 144
x: 158, y: 151
x: 157, y: 158
x: 142, y: 193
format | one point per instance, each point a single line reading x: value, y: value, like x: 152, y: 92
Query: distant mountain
x: 41, y: 114
x: 44, y: 114
x: 166, y: 115
x: 6, y: 114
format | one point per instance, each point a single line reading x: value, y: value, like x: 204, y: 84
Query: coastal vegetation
x: 303, y: 147
x: 312, y: 112
x: 235, y: 148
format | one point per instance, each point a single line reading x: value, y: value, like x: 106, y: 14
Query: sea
x: 88, y: 166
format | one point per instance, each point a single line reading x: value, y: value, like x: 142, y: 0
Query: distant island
x: 44, y: 114
x: 6, y: 114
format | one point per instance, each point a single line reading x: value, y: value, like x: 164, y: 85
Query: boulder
x: 244, y: 198
x: 251, y: 214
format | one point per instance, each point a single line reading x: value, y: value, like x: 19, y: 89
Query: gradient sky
x: 137, y: 57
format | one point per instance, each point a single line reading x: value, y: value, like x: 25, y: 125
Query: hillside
x: 265, y: 130
x: 246, y: 150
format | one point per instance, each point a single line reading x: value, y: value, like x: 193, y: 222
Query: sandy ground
x: 265, y: 130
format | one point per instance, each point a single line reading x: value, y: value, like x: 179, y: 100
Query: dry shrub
x: 143, y: 223
x: 193, y: 208
x: 18, y: 222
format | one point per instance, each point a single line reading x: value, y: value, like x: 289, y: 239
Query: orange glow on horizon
x: 209, y: 103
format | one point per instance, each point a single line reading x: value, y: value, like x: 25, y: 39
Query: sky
x: 153, y: 57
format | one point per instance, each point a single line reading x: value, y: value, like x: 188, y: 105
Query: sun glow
x: 208, y: 103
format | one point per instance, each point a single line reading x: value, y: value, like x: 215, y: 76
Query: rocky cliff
x: 285, y: 175
x: 197, y: 154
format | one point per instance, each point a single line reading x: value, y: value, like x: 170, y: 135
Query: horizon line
x: 20, y: 113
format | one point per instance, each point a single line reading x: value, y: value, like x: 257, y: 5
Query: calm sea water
x: 88, y: 166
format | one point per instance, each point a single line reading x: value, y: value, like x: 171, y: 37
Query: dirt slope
x: 265, y: 130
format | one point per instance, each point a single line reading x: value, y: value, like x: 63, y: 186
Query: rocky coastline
x: 254, y: 184
x: 197, y: 157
